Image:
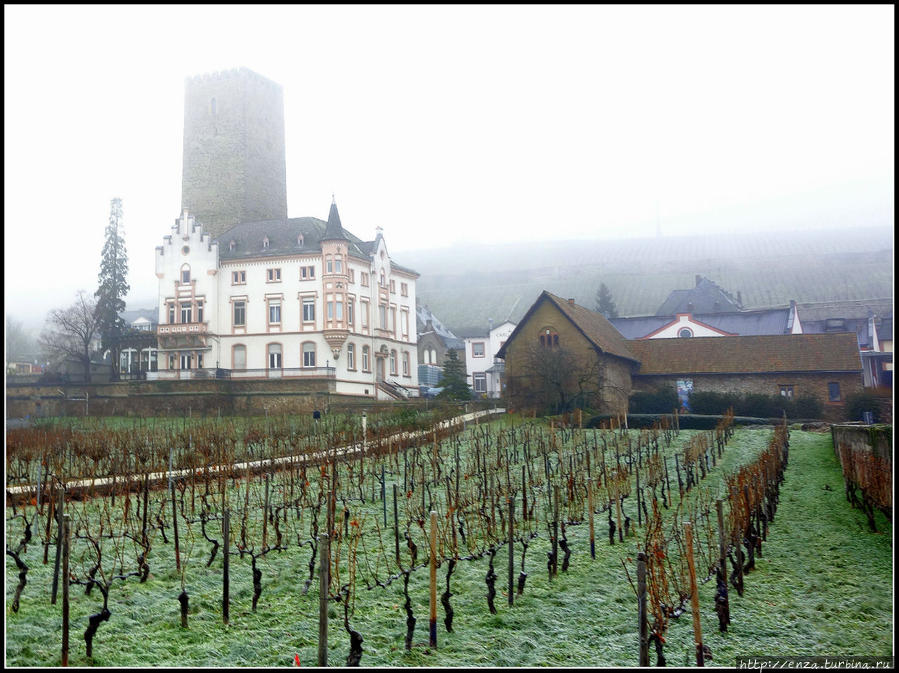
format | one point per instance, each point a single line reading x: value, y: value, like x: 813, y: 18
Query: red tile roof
x: 749, y: 354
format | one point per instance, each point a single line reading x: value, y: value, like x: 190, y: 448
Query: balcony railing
x: 219, y: 373
x: 182, y: 328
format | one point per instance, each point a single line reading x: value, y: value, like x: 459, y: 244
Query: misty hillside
x: 467, y: 286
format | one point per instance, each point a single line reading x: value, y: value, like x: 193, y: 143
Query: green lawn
x: 822, y: 587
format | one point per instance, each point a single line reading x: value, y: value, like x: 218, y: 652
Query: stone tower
x: 233, y: 169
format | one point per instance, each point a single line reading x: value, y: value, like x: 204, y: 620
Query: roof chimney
x: 571, y: 300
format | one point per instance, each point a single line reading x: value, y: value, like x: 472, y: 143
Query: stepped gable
x: 749, y: 354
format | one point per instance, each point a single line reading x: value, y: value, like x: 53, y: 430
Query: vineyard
x: 394, y: 543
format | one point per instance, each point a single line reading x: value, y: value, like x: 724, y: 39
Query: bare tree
x: 557, y: 379
x: 20, y: 342
x: 69, y: 333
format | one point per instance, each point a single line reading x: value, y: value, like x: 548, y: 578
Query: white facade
x: 332, y: 311
x: 483, y: 370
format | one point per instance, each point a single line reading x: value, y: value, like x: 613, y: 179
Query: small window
x: 405, y: 363
x: 308, y: 354
x: 274, y: 356
x: 239, y: 358
x: 240, y: 314
x: 300, y: 240
x: 185, y: 274
x: 480, y: 382
x: 833, y: 391
x: 364, y: 279
x: 392, y: 287
x: 329, y: 264
x: 238, y: 277
x: 352, y: 275
x: 365, y: 366
x: 393, y: 362
x: 274, y: 313
x: 185, y: 250
x: 404, y: 289
x: 231, y: 244
x: 350, y: 311
x: 265, y: 242
x: 685, y: 333
x: 199, y: 311
x: 477, y: 349
x: 350, y: 356
x: 273, y: 275
x: 307, y: 272
x: 338, y: 264
x: 308, y: 310
x: 171, y: 314
x: 786, y: 391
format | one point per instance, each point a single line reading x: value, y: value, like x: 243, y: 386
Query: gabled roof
x: 749, y: 354
x: 423, y: 315
x: 705, y: 297
x: 743, y: 323
x: 594, y: 326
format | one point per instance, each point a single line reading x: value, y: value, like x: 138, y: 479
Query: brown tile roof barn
x: 749, y: 354
x: 598, y: 330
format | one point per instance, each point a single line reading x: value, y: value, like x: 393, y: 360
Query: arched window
x: 265, y: 242
x: 351, y: 356
x: 365, y: 362
x: 433, y: 353
x: 238, y: 356
x: 274, y: 356
x: 548, y: 338
x: 685, y: 333
x: 393, y: 363
x: 185, y: 273
x: 383, y: 279
x: 308, y: 354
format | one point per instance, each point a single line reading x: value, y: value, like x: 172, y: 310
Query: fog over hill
x: 468, y: 285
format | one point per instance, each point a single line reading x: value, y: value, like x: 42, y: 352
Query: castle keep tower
x: 233, y: 168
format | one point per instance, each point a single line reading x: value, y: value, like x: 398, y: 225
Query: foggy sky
x: 450, y: 125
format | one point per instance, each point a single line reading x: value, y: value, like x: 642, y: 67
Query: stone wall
x: 814, y: 385
x: 171, y: 398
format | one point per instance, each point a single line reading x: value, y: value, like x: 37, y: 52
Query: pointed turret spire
x: 334, y: 230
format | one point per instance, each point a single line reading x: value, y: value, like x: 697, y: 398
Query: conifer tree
x: 604, y: 302
x: 453, y: 381
x: 113, y: 286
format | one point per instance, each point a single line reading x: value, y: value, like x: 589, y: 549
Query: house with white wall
x: 484, y: 371
x: 296, y: 297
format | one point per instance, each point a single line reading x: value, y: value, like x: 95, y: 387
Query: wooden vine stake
x: 59, y: 514
x: 511, y: 550
x: 226, y: 545
x: 324, y: 567
x: 694, y: 595
x: 641, y: 609
x: 432, y: 624
x: 65, y: 589
x: 590, y: 514
x: 722, y: 563
x: 175, y: 523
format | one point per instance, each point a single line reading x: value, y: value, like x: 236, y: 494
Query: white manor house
x: 291, y: 297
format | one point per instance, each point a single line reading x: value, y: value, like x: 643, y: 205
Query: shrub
x: 755, y: 405
x: 806, y: 407
x: 659, y: 401
x: 857, y: 403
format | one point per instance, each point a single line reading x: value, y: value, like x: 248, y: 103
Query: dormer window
x: 231, y: 244
x: 685, y: 333
x: 265, y: 242
x: 300, y: 240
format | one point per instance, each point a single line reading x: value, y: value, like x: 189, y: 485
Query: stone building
x: 562, y: 355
